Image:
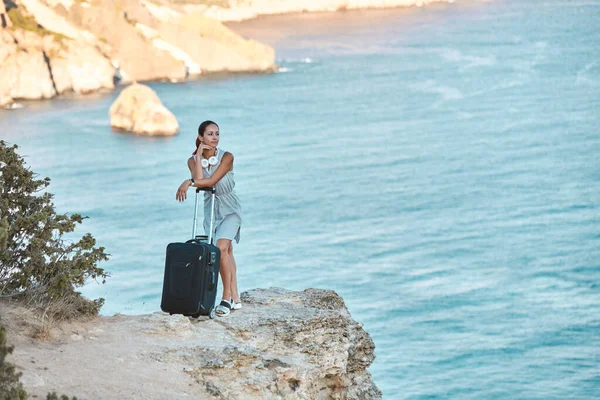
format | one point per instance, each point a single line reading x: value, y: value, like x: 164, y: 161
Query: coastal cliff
x: 282, y: 345
x: 50, y: 47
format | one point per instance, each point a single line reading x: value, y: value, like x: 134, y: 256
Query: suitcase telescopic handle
x: 206, y: 189
x: 212, y: 212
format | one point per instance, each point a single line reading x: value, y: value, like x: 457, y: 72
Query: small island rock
x: 138, y: 109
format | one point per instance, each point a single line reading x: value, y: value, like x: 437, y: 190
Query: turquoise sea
x: 438, y: 167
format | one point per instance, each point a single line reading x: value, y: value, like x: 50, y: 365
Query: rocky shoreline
x: 282, y: 345
x: 54, y: 47
x: 51, y: 47
x: 233, y: 10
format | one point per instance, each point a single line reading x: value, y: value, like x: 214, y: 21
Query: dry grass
x: 51, y: 313
x: 37, y: 316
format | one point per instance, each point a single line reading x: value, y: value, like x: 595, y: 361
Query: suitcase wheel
x: 197, y: 315
x: 212, y: 313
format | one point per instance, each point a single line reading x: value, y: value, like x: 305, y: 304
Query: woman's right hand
x: 203, y: 147
x: 182, y: 190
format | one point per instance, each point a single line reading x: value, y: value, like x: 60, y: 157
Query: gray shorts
x: 229, y: 228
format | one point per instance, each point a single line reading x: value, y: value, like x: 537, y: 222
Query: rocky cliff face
x: 36, y: 63
x: 281, y: 345
x: 49, y: 47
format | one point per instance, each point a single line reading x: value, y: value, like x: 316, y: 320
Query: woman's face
x: 211, y: 136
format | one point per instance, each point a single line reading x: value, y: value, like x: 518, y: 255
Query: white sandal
x: 223, y: 309
x: 235, y: 306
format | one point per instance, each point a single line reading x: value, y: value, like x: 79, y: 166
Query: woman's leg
x: 226, y: 267
x: 235, y: 295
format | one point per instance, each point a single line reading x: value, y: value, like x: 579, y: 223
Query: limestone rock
x: 165, y: 44
x: 214, y: 47
x: 8, y: 70
x: 138, y: 109
x: 282, y: 345
x: 74, y: 60
x: 5, y: 22
x: 302, y: 345
x: 5, y: 100
x: 36, y: 63
x: 23, y: 68
x: 80, y: 68
x: 59, y: 46
x: 56, y: 46
x: 138, y: 57
x: 33, y: 79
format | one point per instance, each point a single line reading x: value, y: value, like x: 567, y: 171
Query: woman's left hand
x: 182, y: 190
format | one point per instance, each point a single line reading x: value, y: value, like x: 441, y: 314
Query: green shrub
x: 36, y: 262
x: 10, y: 387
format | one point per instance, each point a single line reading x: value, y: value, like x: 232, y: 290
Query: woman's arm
x: 195, y: 168
x: 181, y: 194
x: 225, y: 167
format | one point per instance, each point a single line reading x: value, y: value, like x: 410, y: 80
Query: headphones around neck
x: 211, y: 161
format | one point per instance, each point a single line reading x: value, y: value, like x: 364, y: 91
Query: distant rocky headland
x: 281, y: 345
x: 51, y: 47
x: 238, y: 10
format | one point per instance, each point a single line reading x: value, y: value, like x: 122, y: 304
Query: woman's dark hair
x: 202, y: 128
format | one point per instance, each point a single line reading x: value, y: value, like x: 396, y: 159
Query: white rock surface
x: 281, y: 345
x: 51, y: 20
x: 151, y: 40
x: 81, y: 68
x: 35, y: 66
x: 24, y: 73
x: 75, y: 42
x: 138, y: 109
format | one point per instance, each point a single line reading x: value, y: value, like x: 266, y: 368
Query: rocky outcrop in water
x: 139, y: 110
x: 281, y: 345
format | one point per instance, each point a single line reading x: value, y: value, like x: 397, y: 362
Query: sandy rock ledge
x: 281, y: 345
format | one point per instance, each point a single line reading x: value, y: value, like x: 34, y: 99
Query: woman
x: 211, y: 166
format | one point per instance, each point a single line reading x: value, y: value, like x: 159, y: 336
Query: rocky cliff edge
x: 282, y: 345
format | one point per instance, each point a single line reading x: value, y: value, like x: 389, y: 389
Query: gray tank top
x: 226, y: 200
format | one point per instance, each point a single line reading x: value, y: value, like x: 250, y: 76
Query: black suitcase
x: 192, y: 272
